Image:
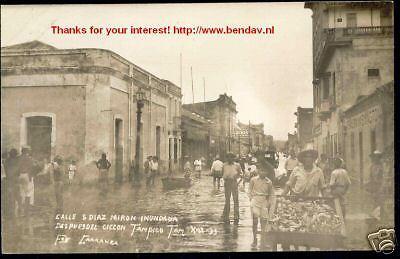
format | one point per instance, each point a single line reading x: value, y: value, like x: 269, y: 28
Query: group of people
x: 304, y: 178
x: 234, y: 171
x: 19, y: 174
x: 198, y: 166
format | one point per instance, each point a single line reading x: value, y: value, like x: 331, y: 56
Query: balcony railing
x: 339, y: 36
x: 368, y: 30
x: 317, y: 129
x: 325, y: 106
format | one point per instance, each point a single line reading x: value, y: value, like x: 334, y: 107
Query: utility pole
x: 229, y: 129
x: 191, y: 75
x: 204, y: 96
x: 239, y: 142
x: 180, y: 69
x: 139, y: 104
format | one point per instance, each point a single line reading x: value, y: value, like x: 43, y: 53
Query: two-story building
x: 196, y: 136
x: 222, y: 112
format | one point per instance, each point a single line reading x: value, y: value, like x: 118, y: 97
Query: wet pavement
x: 197, y: 209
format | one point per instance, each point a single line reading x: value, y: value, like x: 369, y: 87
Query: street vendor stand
x: 323, y: 241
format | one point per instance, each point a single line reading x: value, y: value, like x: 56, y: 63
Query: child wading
x: 71, y: 171
x: 261, y: 194
x: 339, y: 183
x: 187, y: 168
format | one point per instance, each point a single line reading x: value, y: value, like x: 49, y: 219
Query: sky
x: 267, y: 75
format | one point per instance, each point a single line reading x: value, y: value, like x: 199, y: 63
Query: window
x: 386, y: 17
x: 335, y: 144
x: 351, y: 20
x: 175, y: 150
x: 170, y: 109
x: 373, y: 140
x: 325, y: 88
x: 176, y: 108
x: 333, y: 88
x: 158, y: 141
x: 373, y: 72
x: 353, y: 150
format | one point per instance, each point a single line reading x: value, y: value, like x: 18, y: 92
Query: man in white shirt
x: 291, y: 163
x: 153, y: 169
x: 197, y: 167
x: 216, y: 170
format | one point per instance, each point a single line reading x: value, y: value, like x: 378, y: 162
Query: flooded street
x: 194, y: 224
x: 198, y: 210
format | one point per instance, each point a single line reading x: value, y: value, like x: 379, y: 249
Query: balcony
x: 177, y: 123
x: 324, y: 109
x: 334, y: 37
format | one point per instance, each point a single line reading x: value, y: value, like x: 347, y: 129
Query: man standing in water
x: 216, y: 171
x: 231, y: 173
x: 103, y: 165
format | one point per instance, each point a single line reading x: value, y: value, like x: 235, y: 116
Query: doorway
x: 158, y: 141
x: 119, y: 149
x: 39, y: 131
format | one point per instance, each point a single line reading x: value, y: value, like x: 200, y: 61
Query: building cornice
x: 90, y: 69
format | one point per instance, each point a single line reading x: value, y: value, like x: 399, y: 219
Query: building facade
x: 255, y: 136
x: 352, y: 57
x: 196, y: 136
x: 269, y: 143
x: 369, y: 126
x: 241, y: 135
x: 222, y: 112
x: 304, y: 126
x: 82, y: 102
x: 174, y: 126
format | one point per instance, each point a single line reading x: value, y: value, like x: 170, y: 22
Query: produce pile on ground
x: 305, y: 216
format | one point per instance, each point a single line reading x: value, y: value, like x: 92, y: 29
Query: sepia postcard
x: 213, y: 127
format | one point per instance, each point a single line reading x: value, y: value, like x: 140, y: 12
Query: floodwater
x: 198, y: 211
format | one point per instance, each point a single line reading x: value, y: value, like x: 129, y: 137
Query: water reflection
x: 200, y: 205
